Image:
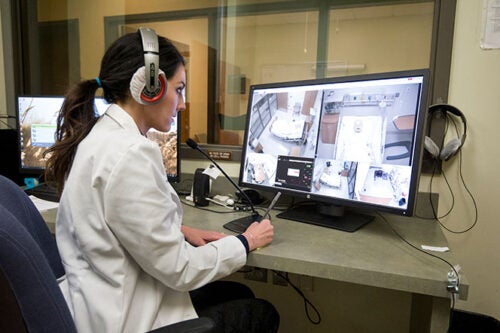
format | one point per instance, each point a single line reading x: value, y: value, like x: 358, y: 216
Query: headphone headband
x: 151, y: 59
x: 148, y: 85
x: 450, y: 148
x: 453, y: 110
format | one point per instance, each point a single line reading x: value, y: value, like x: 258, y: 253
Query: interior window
x: 230, y: 45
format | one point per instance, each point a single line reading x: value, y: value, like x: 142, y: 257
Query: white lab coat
x: 128, y: 267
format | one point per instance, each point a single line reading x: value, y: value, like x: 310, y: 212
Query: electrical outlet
x: 257, y: 274
x: 279, y: 279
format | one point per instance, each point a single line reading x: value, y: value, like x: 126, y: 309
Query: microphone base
x: 240, y: 225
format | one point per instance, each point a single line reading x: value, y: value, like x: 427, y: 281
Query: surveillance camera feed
x: 37, y: 126
x: 351, y: 141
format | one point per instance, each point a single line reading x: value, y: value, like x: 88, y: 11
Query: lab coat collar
x: 122, y: 118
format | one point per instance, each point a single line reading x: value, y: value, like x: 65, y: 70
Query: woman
x: 129, y: 262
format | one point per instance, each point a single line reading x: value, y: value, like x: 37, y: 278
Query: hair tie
x: 99, y: 83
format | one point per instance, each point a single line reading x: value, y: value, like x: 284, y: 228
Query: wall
x: 474, y: 86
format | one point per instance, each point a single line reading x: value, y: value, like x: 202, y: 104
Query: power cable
x: 307, y: 303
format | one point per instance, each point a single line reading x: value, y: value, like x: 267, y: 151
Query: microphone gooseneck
x: 194, y: 145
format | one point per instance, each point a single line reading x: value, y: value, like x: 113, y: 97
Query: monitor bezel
x: 416, y: 152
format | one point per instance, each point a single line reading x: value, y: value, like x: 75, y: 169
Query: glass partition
x: 230, y: 45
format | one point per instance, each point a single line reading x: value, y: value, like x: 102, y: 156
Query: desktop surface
x: 372, y: 256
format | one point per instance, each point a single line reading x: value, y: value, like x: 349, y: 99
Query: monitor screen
x: 169, y: 143
x: 37, y: 122
x: 351, y: 142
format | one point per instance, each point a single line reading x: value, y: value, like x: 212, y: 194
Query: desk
x: 372, y: 256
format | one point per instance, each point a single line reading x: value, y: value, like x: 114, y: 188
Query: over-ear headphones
x: 451, y: 147
x: 148, y: 84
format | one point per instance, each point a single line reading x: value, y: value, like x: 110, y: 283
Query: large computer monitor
x: 347, y: 142
x: 37, y: 122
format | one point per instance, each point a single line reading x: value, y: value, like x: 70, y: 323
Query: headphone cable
x: 434, y: 210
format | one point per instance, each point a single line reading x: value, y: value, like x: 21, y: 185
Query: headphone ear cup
x: 450, y: 149
x: 138, y: 87
x: 431, y: 147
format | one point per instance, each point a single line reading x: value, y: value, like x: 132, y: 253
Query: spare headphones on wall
x: 451, y: 147
x: 148, y: 84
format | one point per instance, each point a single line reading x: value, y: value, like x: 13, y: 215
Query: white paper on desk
x: 435, y: 248
x: 43, y: 205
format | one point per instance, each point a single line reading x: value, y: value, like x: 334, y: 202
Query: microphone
x: 241, y: 224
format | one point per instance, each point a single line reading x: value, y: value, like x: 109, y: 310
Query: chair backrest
x: 13, y: 198
x: 30, y: 262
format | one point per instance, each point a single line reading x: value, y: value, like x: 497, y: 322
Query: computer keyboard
x: 44, y: 192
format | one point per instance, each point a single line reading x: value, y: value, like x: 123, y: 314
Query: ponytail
x: 76, y: 118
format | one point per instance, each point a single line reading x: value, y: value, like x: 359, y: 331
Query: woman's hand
x: 259, y: 234
x: 198, y: 237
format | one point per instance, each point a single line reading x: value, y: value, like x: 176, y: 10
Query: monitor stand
x: 329, y: 216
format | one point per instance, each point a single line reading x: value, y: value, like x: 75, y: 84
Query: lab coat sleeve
x: 145, y: 214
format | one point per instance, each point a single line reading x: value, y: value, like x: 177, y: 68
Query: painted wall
x: 474, y: 86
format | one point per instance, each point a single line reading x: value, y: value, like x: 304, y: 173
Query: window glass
x: 259, y: 49
x: 379, y: 39
x: 228, y: 45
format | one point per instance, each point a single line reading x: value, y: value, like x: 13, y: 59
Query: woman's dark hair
x: 78, y: 116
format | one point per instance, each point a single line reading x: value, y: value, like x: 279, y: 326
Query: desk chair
x: 31, y: 264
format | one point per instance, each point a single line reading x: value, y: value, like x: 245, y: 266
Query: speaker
x: 148, y: 84
x: 201, y: 188
x: 452, y: 147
